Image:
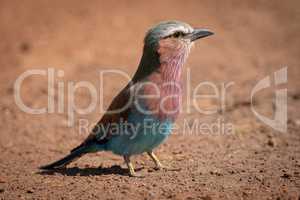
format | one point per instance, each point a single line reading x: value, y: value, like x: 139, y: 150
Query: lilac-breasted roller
x: 141, y: 116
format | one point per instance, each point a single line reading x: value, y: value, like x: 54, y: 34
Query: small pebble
x: 30, y: 191
x: 286, y: 176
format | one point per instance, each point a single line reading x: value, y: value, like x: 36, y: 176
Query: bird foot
x: 166, y: 168
x: 136, y: 175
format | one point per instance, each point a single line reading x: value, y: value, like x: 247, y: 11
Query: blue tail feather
x: 67, y: 159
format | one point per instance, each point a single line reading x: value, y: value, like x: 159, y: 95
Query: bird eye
x: 178, y: 34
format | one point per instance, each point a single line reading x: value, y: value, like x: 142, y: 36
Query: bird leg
x: 132, y: 173
x: 158, y: 165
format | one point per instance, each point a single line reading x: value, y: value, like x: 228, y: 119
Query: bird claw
x: 136, y: 175
x: 166, y: 168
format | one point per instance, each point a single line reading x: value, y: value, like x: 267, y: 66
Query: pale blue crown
x: 165, y: 29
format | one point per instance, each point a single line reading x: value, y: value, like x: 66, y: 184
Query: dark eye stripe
x: 178, y: 34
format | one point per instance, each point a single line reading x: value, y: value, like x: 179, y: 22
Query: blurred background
x: 252, y: 40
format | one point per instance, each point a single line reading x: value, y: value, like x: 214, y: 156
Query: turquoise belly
x: 145, y: 134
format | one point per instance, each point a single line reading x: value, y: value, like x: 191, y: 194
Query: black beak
x: 199, y: 33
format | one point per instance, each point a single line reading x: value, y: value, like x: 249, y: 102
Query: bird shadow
x: 89, y: 171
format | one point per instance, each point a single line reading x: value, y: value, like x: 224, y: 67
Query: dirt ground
x: 252, y: 40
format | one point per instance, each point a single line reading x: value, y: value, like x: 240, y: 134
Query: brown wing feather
x: 116, y: 112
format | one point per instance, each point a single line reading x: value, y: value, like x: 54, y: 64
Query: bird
x: 142, y: 115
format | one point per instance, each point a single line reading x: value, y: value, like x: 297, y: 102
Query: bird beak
x: 199, y: 33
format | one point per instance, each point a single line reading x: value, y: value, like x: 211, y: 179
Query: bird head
x: 173, y: 32
x: 168, y: 44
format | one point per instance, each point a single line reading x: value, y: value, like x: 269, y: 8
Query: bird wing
x: 116, y: 113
